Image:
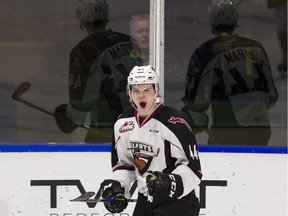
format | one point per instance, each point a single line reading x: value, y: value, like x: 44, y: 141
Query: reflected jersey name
x: 241, y: 54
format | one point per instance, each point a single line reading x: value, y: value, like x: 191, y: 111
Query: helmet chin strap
x: 133, y: 104
x: 157, y: 100
x: 152, y: 109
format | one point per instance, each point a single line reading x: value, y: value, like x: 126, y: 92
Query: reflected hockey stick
x: 86, y: 197
x: 20, y: 91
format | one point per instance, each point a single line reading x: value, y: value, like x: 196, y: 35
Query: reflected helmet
x: 143, y: 75
x: 89, y: 11
x: 223, y: 13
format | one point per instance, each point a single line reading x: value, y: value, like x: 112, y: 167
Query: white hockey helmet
x: 89, y: 11
x: 143, y: 75
x: 223, y: 13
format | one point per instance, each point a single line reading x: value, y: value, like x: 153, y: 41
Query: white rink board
x: 256, y: 184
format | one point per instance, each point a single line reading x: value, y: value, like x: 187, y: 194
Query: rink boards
x: 40, y: 180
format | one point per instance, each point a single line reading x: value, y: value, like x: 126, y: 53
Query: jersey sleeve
x: 272, y: 93
x: 78, y: 76
x: 181, y: 146
x: 84, y: 87
x: 198, y: 92
x: 122, y: 165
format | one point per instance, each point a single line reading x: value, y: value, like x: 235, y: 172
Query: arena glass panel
x: 35, y: 50
x: 187, y: 26
x: 36, y: 45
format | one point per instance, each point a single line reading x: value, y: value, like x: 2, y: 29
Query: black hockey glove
x: 164, y: 186
x: 112, y: 191
x: 65, y: 124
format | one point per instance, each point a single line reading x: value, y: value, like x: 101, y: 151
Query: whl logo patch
x: 127, y: 126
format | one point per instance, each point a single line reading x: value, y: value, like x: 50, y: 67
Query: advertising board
x: 43, y: 183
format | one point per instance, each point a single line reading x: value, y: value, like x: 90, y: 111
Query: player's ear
x: 157, y: 95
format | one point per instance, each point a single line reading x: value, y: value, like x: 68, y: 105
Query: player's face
x: 140, y: 33
x: 143, y: 96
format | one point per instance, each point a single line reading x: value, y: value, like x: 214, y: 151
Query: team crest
x: 127, y: 126
x: 141, y: 158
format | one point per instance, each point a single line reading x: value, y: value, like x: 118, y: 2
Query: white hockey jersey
x: 164, y: 141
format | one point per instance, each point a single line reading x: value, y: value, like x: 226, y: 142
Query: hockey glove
x: 112, y: 191
x: 164, y: 186
x: 65, y: 124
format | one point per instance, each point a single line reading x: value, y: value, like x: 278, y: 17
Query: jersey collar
x: 143, y: 121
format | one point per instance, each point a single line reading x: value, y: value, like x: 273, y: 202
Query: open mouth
x: 142, y: 105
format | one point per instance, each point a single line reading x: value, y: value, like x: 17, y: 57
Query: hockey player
x: 154, y: 144
x: 233, y: 75
x: 98, y: 70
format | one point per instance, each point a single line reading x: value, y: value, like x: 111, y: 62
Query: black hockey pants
x: 186, y: 206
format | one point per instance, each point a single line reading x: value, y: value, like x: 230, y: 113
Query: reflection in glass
x: 229, y: 90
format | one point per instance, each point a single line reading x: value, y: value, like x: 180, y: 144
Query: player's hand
x: 65, y: 124
x: 164, y: 186
x: 112, y: 190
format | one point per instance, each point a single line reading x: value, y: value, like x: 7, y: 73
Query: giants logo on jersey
x: 141, y: 160
x: 127, y: 126
x: 175, y: 120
